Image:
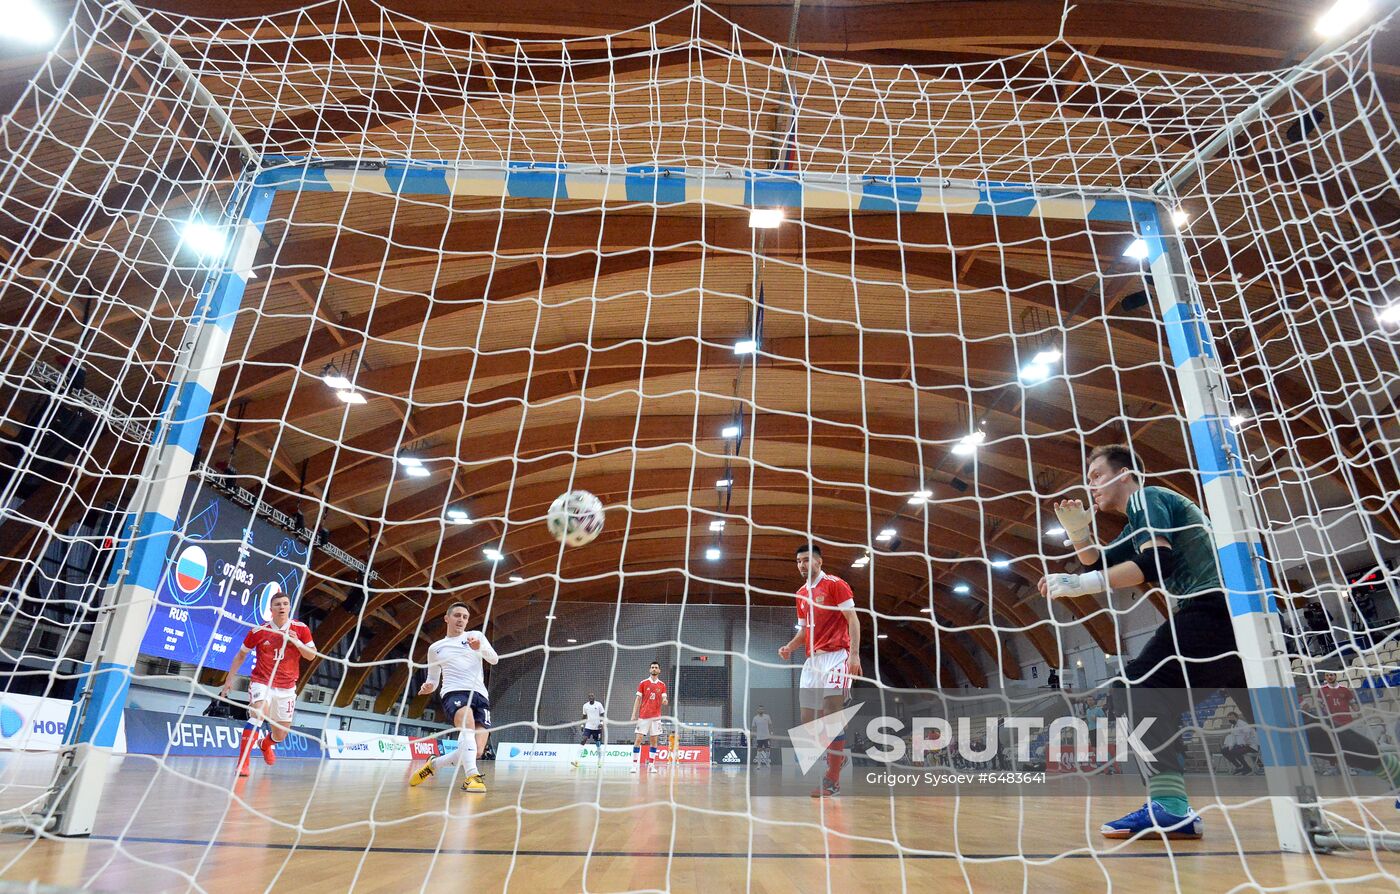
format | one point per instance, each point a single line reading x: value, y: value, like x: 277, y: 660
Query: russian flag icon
x: 191, y: 568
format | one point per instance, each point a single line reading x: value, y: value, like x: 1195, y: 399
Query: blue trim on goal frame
x: 733, y: 187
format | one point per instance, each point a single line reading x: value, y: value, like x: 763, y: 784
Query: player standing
x: 1167, y: 543
x: 457, y: 659
x: 592, y: 726
x: 646, y: 713
x: 827, y: 621
x: 762, y: 727
x: 1339, y: 699
x: 272, y: 688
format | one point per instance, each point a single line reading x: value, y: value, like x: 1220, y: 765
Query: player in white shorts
x: 272, y: 689
x: 646, y: 713
x: 827, y: 624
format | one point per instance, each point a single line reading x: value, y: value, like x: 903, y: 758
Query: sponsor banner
x: 422, y: 749
x: 531, y: 751
x: 357, y: 746
x: 683, y: 754
x: 539, y: 751
x: 32, y: 723
x: 731, y: 756
x: 1068, y: 759
x: 194, y: 735
x: 612, y: 754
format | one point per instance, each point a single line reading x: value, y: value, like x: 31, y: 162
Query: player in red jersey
x: 646, y: 713
x: 272, y: 689
x: 1339, y: 699
x: 829, y: 627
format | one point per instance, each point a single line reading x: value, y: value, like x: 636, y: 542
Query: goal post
x: 1239, y: 546
x: 104, y: 679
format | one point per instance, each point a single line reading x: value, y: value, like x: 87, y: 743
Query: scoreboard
x: 223, y: 570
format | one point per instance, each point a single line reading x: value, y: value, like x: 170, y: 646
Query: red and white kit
x: 1340, y: 701
x: 649, y: 714
x: 819, y: 611
x: 276, y: 667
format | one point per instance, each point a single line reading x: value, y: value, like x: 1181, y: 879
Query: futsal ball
x: 576, y: 517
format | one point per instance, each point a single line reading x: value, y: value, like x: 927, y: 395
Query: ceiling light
x: 861, y: 562
x: 573, y: 641
x: 351, y: 397
x: 765, y: 218
x: 1033, y: 373
x: 717, y: 525
x: 962, y: 589
x: 968, y: 445
x: 886, y: 535
x: 1236, y: 421
x: 927, y: 611
x: 1056, y: 531
x: 25, y: 21
x: 712, y: 553
x: 410, y: 462
x: 1180, y: 218
x: 746, y: 346
x: 1390, y: 316
x: 1341, y: 17
x: 882, y: 636
x: 920, y: 497
x: 416, y: 471
x: 1048, y: 356
x: 517, y: 579
x: 549, y: 617
x: 459, y: 517
x: 334, y: 379
x: 725, y: 482
x: 1001, y: 563
x: 203, y: 239
x: 1137, y: 250
x: 493, y: 555
x: 729, y: 431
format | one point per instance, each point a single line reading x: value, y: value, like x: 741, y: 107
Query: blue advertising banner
x: 193, y: 735
x: 223, y: 569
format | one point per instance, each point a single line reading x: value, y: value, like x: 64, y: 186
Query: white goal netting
x: 493, y: 270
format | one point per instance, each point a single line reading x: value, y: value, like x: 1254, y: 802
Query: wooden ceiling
x: 524, y: 347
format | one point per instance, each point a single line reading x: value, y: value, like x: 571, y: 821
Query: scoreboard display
x: 223, y: 570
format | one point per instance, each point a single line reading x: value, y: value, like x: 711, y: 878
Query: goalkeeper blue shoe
x: 1155, y: 820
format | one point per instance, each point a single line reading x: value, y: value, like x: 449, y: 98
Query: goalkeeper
x: 1167, y: 543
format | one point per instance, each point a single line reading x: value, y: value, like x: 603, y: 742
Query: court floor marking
x: 678, y: 855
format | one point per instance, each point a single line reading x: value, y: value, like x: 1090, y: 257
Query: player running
x: 646, y: 713
x: 272, y: 688
x: 592, y: 730
x: 827, y: 621
x: 457, y: 659
x: 1167, y: 543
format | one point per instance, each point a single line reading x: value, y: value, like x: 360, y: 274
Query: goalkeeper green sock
x: 1169, y: 790
x: 1390, y: 769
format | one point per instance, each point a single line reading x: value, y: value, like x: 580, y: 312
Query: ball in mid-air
x: 575, y: 517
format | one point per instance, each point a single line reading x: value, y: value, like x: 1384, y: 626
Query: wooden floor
x: 308, y: 826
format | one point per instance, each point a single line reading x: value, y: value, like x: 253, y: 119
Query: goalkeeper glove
x: 1059, y: 586
x: 1077, y: 521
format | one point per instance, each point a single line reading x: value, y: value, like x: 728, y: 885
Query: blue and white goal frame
x: 150, y: 524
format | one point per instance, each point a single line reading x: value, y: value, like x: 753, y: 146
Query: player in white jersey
x: 593, y: 712
x: 457, y: 660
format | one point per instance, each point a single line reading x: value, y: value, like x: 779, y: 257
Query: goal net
x: 336, y: 305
